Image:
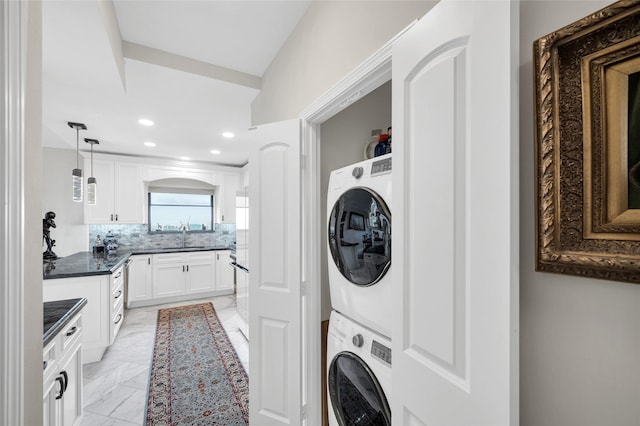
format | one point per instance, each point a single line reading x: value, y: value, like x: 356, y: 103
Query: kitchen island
x: 62, y: 361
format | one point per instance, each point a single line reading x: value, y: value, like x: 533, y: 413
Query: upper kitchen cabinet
x: 119, y: 194
x: 227, y: 197
x: 245, y: 176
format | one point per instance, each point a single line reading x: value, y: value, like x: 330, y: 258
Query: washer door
x: 360, y: 236
x: 356, y: 395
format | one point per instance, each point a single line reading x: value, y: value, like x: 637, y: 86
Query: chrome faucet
x: 184, y: 235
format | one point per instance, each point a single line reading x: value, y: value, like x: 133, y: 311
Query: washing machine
x: 359, y: 242
x: 358, y: 374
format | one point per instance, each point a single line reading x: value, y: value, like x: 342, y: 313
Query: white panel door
x: 275, y: 275
x: 455, y: 330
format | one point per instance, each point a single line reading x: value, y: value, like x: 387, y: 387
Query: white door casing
x: 275, y: 320
x: 455, y: 341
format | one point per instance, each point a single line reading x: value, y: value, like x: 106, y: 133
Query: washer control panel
x: 381, y: 166
x: 381, y: 352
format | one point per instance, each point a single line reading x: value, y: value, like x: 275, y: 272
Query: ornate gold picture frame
x: 587, y: 96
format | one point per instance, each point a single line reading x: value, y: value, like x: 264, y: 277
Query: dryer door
x: 356, y: 394
x: 360, y: 236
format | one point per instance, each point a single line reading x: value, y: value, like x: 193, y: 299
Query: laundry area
x: 356, y: 260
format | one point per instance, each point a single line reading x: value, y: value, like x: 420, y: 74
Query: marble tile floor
x: 115, y: 388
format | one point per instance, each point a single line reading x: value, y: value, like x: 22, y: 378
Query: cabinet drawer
x: 49, y: 359
x: 117, y: 318
x: 71, y: 333
x: 117, y: 278
x: 168, y: 258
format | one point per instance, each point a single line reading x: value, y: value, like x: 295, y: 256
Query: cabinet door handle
x: 182, y: 268
x: 44, y: 365
x: 217, y: 256
x: 148, y: 261
x: 119, y: 318
x: 187, y: 268
x: 65, y: 376
x: 72, y: 331
x: 118, y: 275
x: 111, y: 217
x: 116, y: 218
x: 61, y: 382
x: 119, y: 294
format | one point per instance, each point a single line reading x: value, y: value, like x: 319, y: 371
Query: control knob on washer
x: 357, y: 340
x: 357, y: 172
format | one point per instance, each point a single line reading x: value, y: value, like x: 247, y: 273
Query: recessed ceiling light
x: 150, y: 144
x: 228, y: 135
x: 215, y: 151
x: 145, y: 122
x: 184, y: 158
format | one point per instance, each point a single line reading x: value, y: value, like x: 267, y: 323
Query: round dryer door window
x: 360, y: 236
x: 356, y: 395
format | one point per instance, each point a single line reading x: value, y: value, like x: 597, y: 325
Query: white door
x: 275, y: 275
x: 455, y: 182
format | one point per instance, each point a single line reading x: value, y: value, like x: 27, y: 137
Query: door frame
x: 14, y: 16
x: 364, y: 79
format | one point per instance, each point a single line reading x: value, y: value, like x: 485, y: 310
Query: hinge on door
x: 304, y: 288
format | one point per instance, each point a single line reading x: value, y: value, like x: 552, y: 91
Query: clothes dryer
x: 358, y: 374
x: 359, y: 242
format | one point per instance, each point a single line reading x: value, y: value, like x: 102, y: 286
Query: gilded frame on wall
x: 587, y: 98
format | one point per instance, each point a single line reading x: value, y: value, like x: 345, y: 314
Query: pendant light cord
x: 78, y: 148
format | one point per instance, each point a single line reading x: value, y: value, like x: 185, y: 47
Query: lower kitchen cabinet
x: 139, y: 279
x: 178, y: 276
x: 169, y: 278
x: 62, y: 363
x: 224, y: 271
x: 104, y: 312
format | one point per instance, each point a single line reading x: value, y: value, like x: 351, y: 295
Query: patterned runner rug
x: 196, y: 376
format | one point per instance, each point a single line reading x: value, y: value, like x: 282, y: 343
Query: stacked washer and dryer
x: 359, y: 335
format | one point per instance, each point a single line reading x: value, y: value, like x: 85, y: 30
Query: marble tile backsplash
x: 132, y: 237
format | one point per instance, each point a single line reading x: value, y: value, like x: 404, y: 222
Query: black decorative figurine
x: 47, y: 223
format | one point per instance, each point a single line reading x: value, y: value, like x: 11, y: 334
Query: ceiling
x: 192, y: 67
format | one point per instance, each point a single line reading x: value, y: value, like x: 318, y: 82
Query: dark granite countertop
x: 57, y: 314
x: 83, y: 264
x: 86, y: 263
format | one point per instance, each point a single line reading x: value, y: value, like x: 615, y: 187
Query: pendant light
x: 77, y: 172
x: 92, y: 183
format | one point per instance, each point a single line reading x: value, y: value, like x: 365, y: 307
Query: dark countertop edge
x: 125, y: 257
x: 63, y: 321
x: 177, y: 250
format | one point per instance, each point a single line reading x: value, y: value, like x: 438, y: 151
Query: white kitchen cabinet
x: 116, y: 312
x: 140, y: 279
x: 177, y: 274
x: 227, y: 197
x: 201, y: 272
x: 120, y: 193
x: 104, y: 312
x: 168, y: 275
x: 62, y: 376
x: 224, y: 271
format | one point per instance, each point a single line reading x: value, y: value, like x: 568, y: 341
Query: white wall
x: 344, y: 137
x: 580, y: 338
x: 71, y: 234
x: 331, y: 40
